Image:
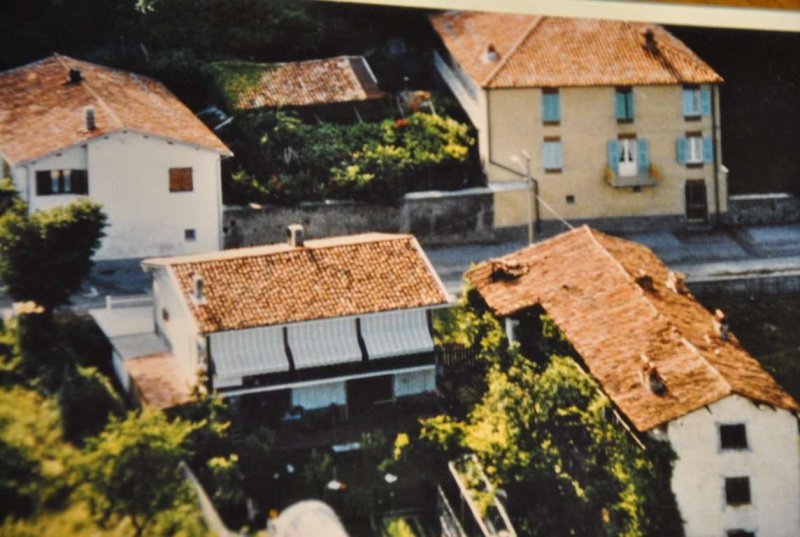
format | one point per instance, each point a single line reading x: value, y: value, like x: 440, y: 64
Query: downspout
x: 506, y: 168
x: 714, y: 91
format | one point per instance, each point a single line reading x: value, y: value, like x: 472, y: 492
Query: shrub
x: 87, y: 400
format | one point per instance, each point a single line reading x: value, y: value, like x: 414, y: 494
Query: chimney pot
x: 198, y: 286
x: 296, y: 235
x: 75, y: 76
x: 91, y: 123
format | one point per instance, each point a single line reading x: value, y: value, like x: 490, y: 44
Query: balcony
x: 632, y: 181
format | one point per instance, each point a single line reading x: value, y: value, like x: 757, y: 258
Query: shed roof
x: 341, y: 79
x: 537, y: 51
x: 41, y: 111
x: 627, y: 314
x: 325, y: 278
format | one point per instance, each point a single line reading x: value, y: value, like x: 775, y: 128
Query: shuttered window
x: 180, y: 180
x: 629, y: 156
x: 695, y: 150
x: 696, y: 102
x: 623, y: 104
x: 552, y: 156
x: 49, y: 182
x: 551, y: 106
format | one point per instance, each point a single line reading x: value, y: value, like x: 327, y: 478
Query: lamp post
x: 533, y: 193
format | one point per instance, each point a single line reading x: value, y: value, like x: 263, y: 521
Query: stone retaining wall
x: 763, y: 209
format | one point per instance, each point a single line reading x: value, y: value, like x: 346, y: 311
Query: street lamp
x: 533, y: 186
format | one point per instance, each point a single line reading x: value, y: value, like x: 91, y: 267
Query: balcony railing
x: 628, y: 181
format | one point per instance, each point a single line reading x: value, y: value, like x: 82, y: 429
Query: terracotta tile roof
x: 157, y: 381
x: 41, y: 112
x: 326, y: 278
x: 612, y: 300
x: 535, y: 51
x: 314, y: 82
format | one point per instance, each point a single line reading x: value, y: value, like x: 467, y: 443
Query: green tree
x: 87, y: 400
x: 131, y: 469
x: 45, y: 255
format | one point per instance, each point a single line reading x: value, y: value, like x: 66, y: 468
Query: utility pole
x: 532, y: 193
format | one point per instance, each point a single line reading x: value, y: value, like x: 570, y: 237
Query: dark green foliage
x: 19, y: 479
x: 45, y: 256
x: 87, y: 400
x: 259, y: 463
x: 132, y: 468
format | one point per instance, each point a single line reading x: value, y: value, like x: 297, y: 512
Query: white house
x: 310, y: 324
x: 672, y: 369
x: 69, y: 128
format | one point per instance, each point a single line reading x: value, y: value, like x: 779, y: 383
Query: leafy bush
x: 19, y: 479
x: 87, y: 400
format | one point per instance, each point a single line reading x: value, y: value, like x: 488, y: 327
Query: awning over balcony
x: 253, y: 351
x: 321, y: 343
x: 396, y: 334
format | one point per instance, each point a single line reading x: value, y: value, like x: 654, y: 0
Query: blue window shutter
x: 546, y: 156
x: 550, y: 107
x: 644, y: 157
x: 708, y: 150
x: 705, y: 96
x: 559, y: 155
x: 613, y: 156
x: 629, y: 97
x: 620, y: 104
x: 688, y: 103
x: 681, y: 150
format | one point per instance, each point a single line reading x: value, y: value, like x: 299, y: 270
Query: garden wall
x: 433, y: 217
x: 761, y: 209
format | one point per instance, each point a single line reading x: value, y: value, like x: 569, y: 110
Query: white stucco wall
x: 179, y: 330
x: 772, y: 462
x: 129, y: 176
x: 415, y: 382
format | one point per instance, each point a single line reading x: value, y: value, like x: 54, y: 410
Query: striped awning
x: 253, y: 351
x: 396, y: 333
x: 321, y: 343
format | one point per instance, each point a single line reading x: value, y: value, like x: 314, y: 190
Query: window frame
x: 695, y: 147
x: 178, y: 183
x: 550, y: 167
x: 59, y: 182
x: 624, y: 95
x: 190, y: 235
x: 730, y: 486
x: 548, y: 96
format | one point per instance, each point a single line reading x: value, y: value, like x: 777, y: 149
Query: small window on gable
x: 189, y: 234
x: 180, y: 180
x: 551, y: 106
x: 737, y: 491
x: 733, y: 436
x: 624, y: 104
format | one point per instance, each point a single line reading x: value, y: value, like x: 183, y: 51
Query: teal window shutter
x: 552, y: 158
x: 620, y: 104
x: 559, y: 155
x: 705, y: 95
x: 550, y: 107
x: 682, y: 150
x: 629, y: 101
x: 644, y: 157
x: 613, y: 156
x: 688, y: 102
x: 708, y: 150
x: 546, y: 156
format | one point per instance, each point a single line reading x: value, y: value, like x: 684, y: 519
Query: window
x: 696, y: 203
x: 695, y: 150
x: 551, y: 106
x: 737, y: 491
x: 164, y: 314
x: 189, y: 234
x: 624, y: 104
x: 696, y: 102
x: 733, y: 436
x: 570, y: 199
x: 180, y: 180
x: 552, y: 157
x: 629, y: 156
x: 62, y: 182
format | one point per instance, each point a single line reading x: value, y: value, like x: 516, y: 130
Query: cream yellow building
x: 618, y: 122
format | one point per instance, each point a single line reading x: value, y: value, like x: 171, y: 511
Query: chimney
x: 645, y: 281
x: 295, y: 235
x: 721, y: 325
x: 491, y: 54
x: 649, y: 40
x: 198, y: 289
x: 90, y: 119
x: 75, y: 76
x: 651, y: 378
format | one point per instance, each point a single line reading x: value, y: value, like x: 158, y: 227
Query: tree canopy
x: 132, y: 468
x: 46, y: 255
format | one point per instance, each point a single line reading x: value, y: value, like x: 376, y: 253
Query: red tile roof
x: 41, y: 112
x: 612, y: 300
x: 157, y: 380
x: 314, y: 82
x: 533, y: 51
x: 326, y: 278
